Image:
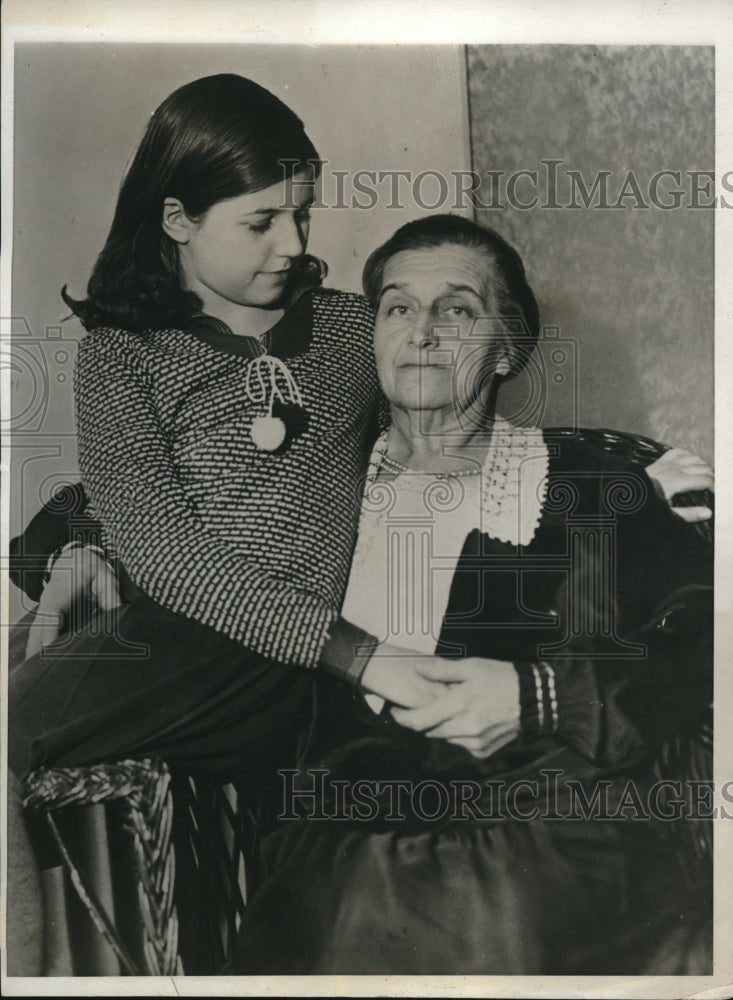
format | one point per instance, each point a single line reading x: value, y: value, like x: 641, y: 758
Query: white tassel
x: 261, y: 386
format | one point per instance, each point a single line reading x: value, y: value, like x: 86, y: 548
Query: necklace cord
x: 474, y: 470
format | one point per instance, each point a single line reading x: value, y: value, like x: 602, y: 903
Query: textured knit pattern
x: 255, y: 544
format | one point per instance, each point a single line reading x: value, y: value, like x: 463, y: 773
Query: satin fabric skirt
x: 400, y: 894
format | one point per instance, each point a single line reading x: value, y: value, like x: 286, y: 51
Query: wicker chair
x: 177, y: 848
x: 187, y: 849
x: 192, y: 840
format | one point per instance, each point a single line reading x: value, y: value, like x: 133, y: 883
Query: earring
x: 503, y: 367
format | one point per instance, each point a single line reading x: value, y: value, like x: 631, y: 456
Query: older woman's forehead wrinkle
x: 451, y: 266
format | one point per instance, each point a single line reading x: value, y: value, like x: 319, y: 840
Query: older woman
x: 492, y: 831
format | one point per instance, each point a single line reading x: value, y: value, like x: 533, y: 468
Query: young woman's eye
x: 260, y: 227
x: 397, y: 310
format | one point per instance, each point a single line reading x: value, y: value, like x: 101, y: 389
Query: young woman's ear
x: 175, y: 222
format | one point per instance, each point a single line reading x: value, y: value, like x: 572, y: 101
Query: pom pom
x: 268, y: 433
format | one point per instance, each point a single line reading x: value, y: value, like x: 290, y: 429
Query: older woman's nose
x: 424, y: 333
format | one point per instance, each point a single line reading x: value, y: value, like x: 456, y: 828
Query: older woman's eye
x: 459, y: 311
x: 397, y: 310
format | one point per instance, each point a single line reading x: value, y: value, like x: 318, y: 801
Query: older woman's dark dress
x: 581, y: 885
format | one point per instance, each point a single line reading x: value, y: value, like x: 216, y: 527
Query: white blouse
x: 413, y: 527
x: 406, y: 556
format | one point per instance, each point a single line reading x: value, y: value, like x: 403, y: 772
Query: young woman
x: 225, y: 408
x: 220, y: 410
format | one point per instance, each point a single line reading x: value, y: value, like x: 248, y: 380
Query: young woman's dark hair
x: 215, y: 138
x: 510, y: 293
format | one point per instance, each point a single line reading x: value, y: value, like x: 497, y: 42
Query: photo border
x: 323, y: 22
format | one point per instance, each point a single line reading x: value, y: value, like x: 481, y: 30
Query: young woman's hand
x: 77, y: 571
x: 479, y: 709
x: 393, y: 673
x: 677, y: 471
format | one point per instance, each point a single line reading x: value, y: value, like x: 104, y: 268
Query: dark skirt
x: 392, y: 892
x: 141, y: 681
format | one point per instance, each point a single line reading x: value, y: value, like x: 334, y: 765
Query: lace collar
x: 513, y: 481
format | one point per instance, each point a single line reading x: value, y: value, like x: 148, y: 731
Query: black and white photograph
x: 364, y: 371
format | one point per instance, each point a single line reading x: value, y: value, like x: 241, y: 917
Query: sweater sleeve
x: 131, y: 479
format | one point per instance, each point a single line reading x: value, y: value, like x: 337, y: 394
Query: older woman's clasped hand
x: 402, y: 677
x: 472, y: 703
x: 478, y: 709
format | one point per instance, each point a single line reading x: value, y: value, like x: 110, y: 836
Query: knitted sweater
x: 255, y: 544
